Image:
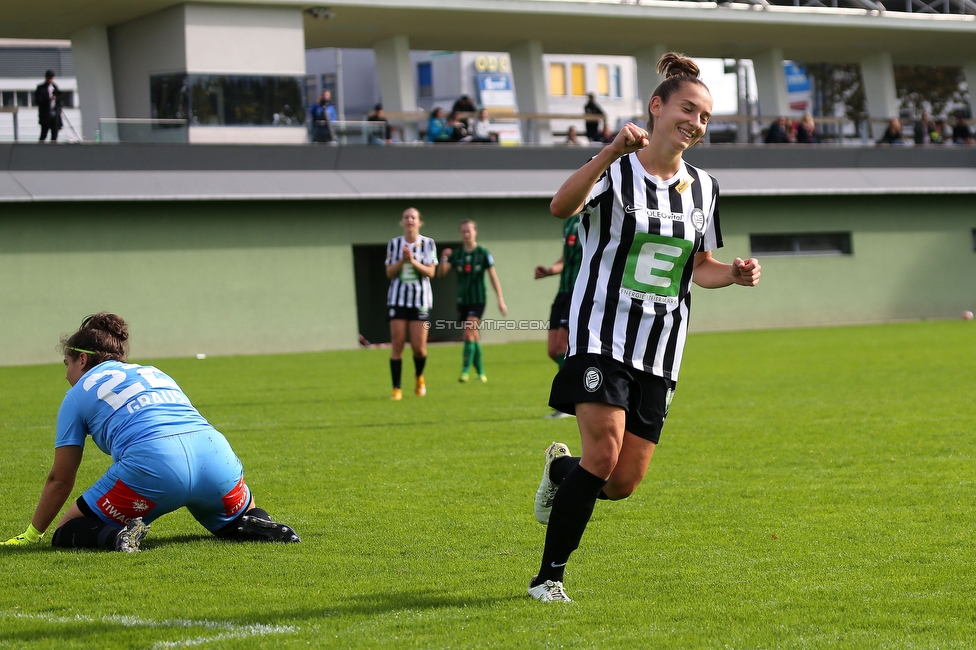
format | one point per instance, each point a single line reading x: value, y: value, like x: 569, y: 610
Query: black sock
x: 571, y: 511
x: 396, y: 369
x: 230, y: 530
x: 419, y: 363
x: 85, y: 532
x: 560, y: 468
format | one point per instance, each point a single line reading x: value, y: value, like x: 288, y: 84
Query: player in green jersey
x: 471, y: 261
x: 567, y: 267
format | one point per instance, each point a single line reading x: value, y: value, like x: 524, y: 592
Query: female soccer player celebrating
x: 411, y: 261
x: 472, y: 261
x: 165, y: 454
x: 649, y: 223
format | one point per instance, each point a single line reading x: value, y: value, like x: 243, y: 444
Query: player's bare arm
x: 444, y: 267
x: 497, y: 286
x: 546, y: 271
x: 570, y: 197
x: 712, y: 274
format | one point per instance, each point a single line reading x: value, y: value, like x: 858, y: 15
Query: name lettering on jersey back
x: 156, y: 397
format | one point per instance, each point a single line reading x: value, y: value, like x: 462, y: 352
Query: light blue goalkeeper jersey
x: 121, y: 404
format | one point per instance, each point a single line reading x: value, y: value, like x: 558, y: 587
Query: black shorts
x: 595, y: 378
x: 467, y: 311
x: 559, y: 314
x: 406, y: 313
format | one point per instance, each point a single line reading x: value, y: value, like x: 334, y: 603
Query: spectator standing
x: 593, y: 126
x: 383, y: 134
x: 923, y: 129
x: 463, y: 104
x: 893, y: 134
x: 459, y: 131
x: 936, y: 131
x: 323, y: 115
x: 47, y: 98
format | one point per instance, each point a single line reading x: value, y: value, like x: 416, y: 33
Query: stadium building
x: 271, y: 246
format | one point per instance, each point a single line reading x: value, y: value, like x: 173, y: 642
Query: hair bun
x: 109, y: 323
x: 673, y: 64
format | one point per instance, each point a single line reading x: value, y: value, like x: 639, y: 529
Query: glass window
x: 615, y: 88
x: 68, y: 98
x: 231, y: 100
x: 425, y: 79
x: 820, y: 243
x: 7, y: 97
x: 602, y: 80
x: 311, y: 89
x: 557, y: 79
x: 578, y: 73
x: 24, y: 97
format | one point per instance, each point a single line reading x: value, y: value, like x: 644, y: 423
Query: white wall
x: 245, y: 40
x: 155, y: 44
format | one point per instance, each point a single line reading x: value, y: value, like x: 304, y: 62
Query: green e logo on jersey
x: 655, y: 264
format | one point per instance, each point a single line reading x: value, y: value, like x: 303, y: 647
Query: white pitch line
x: 232, y: 631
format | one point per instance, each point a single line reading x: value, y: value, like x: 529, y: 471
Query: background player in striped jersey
x: 649, y: 223
x: 567, y: 267
x: 165, y: 454
x: 411, y: 261
x: 472, y: 261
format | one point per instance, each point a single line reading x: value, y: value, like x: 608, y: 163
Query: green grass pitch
x: 813, y: 488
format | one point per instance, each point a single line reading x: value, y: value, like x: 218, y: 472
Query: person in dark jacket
x: 47, y: 98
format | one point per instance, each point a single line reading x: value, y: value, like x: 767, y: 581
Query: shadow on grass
x: 45, y: 628
x: 381, y: 603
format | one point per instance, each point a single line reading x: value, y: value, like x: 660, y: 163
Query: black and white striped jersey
x: 409, y: 288
x: 632, y: 296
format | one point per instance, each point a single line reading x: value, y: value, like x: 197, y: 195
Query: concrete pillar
x: 774, y: 100
x: 395, y: 74
x: 647, y: 77
x: 93, y: 68
x: 531, y: 90
x: 969, y: 73
x: 878, y: 73
x: 209, y: 40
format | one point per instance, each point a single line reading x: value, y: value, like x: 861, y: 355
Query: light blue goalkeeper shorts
x: 197, y: 470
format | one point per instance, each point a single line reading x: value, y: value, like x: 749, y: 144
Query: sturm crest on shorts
x: 592, y: 379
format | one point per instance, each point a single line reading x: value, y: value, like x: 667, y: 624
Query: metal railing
x: 121, y: 129
x: 347, y: 131
x: 13, y: 111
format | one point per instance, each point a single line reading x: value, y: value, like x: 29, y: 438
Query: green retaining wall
x: 259, y: 276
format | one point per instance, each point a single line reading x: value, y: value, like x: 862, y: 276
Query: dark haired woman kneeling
x: 165, y: 454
